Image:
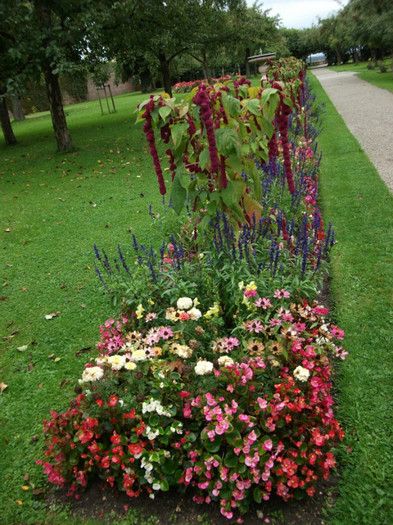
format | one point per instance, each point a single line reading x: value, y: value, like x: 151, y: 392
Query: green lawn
x: 373, y: 76
x: 360, y: 206
x: 54, y: 207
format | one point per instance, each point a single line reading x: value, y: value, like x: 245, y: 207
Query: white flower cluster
x: 301, y: 374
x: 225, y: 360
x: 151, y: 434
x: 203, y: 368
x: 116, y: 362
x: 153, y: 405
x: 184, y: 303
x: 177, y: 427
x: 93, y: 373
x: 182, y: 351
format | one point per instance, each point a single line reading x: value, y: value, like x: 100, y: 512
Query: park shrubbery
x: 217, y: 374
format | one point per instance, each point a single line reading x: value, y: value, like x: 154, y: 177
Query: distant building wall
x: 120, y: 89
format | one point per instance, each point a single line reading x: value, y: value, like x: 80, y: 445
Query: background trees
x: 158, y: 40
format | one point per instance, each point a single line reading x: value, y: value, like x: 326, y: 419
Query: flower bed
x: 217, y: 374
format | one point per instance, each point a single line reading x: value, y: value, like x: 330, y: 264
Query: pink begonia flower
x: 267, y: 445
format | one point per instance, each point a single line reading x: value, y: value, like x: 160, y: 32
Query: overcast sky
x: 300, y: 13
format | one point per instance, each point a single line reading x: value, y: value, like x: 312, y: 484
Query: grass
x: 358, y: 203
x: 54, y: 207
x: 373, y: 76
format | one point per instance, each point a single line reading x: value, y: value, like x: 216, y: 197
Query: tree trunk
x: 338, y: 54
x: 248, y: 71
x: 206, y: 69
x: 63, y: 137
x: 9, y: 136
x: 355, y: 56
x: 62, y: 134
x: 17, y: 108
x: 166, y: 76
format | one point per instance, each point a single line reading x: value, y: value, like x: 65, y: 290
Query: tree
x: 371, y: 24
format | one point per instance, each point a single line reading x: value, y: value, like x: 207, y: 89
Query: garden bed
x: 217, y: 375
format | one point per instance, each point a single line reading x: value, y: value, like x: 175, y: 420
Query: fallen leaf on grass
x: 26, y: 477
x: 62, y: 286
x: 63, y: 383
x: 14, y: 332
x: 22, y: 348
x: 7, y: 230
x: 3, y: 386
x: 25, y: 487
x: 82, y: 351
x: 52, y: 315
x: 3, y: 298
x: 83, y: 305
x: 51, y: 356
x: 19, y: 502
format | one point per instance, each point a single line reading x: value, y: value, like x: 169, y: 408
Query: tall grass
x: 360, y: 206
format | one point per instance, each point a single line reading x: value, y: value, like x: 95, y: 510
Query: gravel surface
x: 368, y: 112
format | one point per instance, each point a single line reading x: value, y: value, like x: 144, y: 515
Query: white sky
x: 300, y: 13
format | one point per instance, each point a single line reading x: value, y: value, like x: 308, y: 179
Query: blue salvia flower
x: 97, y: 253
x: 123, y: 262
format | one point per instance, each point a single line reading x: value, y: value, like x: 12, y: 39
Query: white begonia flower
x: 156, y: 486
x: 301, y: 374
x: 184, y: 303
x: 94, y: 373
x: 130, y: 366
x: 225, y: 360
x: 117, y: 362
x: 195, y: 314
x: 203, y: 367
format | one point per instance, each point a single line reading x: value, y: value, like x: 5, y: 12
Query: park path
x: 368, y: 112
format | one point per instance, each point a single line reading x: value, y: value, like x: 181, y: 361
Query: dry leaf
x: 7, y: 230
x: 25, y: 487
x: 19, y: 502
x: 22, y: 348
x: 51, y: 356
x: 3, y: 298
x: 63, y: 383
x: 3, y: 386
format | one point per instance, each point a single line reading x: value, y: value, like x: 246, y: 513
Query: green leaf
x: 178, y: 194
x: 164, y: 111
x: 231, y: 104
x: 227, y: 142
x: 204, y: 158
x: 254, y: 174
x: 164, y: 485
x: 177, y: 131
x: 168, y: 467
x: 231, y: 460
x: 257, y: 495
x: 253, y: 106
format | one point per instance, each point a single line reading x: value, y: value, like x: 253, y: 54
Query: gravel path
x: 368, y: 112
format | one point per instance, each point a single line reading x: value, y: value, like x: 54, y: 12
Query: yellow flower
x: 139, y: 311
x: 251, y: 286
x: 213, y: 311
x: 150, y: 301
x: 241, y: 285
